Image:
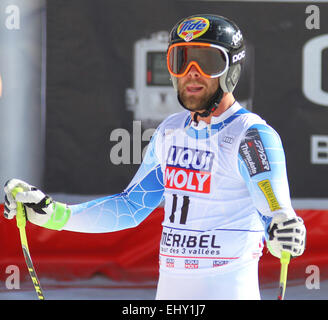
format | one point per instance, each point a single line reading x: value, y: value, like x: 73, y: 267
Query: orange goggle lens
x: 210, y: 60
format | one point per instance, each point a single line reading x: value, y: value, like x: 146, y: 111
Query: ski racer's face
x: 196, y: 90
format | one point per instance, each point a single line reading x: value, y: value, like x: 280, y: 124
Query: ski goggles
x: 210, y: 60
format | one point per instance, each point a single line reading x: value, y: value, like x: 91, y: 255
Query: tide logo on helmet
x: 188, y: 169
x: 192, y: 28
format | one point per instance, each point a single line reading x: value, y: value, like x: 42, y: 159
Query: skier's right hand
x: 39, y: 208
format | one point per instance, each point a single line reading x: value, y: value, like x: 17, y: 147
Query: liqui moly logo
x: 170, y: 263
x: 191, y: 264
x: 188, y: 169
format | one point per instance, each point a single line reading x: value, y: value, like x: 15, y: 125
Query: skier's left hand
x: 286, y: 234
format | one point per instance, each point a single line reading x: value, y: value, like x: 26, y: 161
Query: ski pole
x: 284, y: 261
x: 21, y: 224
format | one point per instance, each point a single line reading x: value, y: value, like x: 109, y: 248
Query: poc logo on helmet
x: 237, y: 37
x: 239, y: 56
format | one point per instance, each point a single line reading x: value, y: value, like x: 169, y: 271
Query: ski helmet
x: 214, y: 44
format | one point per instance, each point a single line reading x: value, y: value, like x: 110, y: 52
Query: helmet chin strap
x: 210, y: 107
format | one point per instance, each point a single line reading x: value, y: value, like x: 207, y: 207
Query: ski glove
x: 286, y: 234
x: 39, y: 208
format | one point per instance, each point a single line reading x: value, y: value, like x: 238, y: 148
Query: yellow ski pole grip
x: 20, y: 215
x: 21, y: 224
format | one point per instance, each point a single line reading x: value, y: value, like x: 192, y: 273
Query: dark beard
x: 210, y: 106
x: 203, y: 103
x: 197, y: 104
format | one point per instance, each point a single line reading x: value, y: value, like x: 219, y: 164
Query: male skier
x: 220, y: 168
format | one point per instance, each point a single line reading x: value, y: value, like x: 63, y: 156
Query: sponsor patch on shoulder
x: 192, y: 28
x: 253, y: 153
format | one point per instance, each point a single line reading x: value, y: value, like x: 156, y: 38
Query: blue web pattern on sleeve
x: 124, y: 210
